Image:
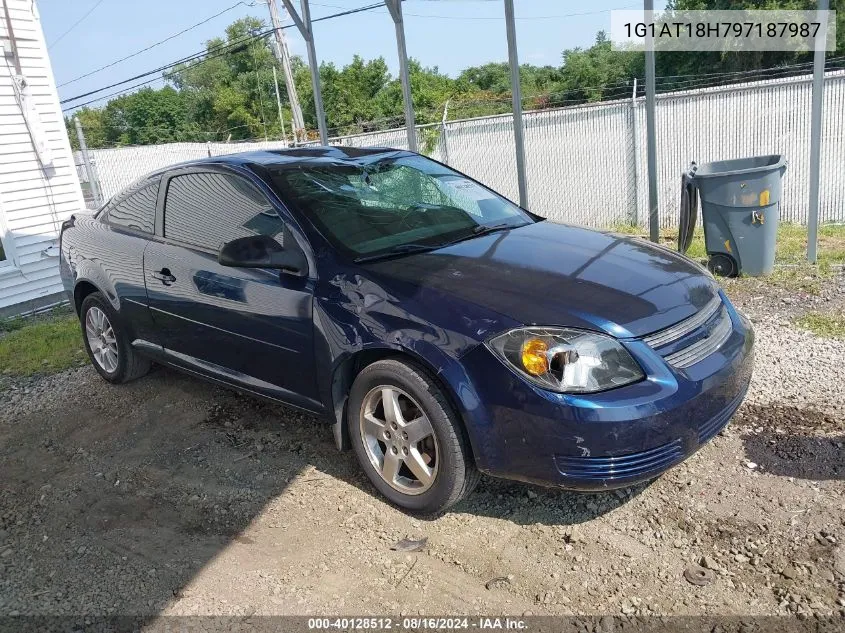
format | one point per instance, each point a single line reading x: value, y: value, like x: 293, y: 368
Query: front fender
x: 365, y: 322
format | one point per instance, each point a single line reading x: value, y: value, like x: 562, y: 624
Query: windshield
x: 393, y: 204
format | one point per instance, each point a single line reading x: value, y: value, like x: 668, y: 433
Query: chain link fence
x: 586, y: 164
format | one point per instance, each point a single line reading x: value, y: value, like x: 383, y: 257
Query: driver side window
x: 207, y: 209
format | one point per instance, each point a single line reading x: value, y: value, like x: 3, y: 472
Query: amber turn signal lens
x: 534, y: 359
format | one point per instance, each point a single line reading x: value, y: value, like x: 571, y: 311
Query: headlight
x: 567, y: 360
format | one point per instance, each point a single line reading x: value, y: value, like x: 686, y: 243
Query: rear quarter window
x: 135, y: 208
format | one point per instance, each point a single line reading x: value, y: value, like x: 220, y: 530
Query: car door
x: 249, y: 327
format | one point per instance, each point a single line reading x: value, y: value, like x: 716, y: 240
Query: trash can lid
x: 737, y: 166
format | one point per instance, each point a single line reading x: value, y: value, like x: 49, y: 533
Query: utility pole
x: 283, y: 55
x: 306, y: 29
x: 279, y: 102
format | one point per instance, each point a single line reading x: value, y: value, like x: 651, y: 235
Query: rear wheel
x: 106, y: 342
x: 408, y: 439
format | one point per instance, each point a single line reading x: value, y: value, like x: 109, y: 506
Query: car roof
x: 295, y: 156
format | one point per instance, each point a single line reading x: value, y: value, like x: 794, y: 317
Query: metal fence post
x: 92, y: 177
x: 395, y: 8
x: 516, y: 91
x: 635, y: 152
x: 816, y: 135
x: 651, y: 140
x: 444, y: 134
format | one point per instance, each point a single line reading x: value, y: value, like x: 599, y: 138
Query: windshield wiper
x: 479, y: 230
x: 397, y: 251
x: 412, y: 247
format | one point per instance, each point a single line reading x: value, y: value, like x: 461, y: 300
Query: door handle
x: 164, y: 276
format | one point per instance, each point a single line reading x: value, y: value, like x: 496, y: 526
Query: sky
x: 449, y: 34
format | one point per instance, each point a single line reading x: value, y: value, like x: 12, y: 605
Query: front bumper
x: 610, y: 439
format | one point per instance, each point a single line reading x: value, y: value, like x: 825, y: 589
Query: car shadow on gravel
x: 792, y: 442
x: 526, y: 504
x: 112, y: 499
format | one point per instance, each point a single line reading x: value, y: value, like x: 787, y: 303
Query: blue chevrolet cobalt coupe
x: 442, y: 330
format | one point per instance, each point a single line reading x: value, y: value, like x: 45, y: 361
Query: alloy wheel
x: 101, y: 339
x: 399, y: 440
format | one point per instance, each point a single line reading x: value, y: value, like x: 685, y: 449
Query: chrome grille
x: 700, y: 349
x: 679, y: 330
x: 704, y: 347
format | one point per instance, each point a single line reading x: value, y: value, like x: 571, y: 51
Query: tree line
x: 230, y: 93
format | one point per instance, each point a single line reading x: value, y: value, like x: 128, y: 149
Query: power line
x: 219, y: 52
x: 518, y: 17
x: 369, y: 7
x: 224, y: 49
x: 75, y: 24
x: 115, y: 94
x: 152, y: 46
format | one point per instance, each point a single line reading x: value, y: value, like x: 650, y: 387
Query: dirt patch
x: 793, y: 442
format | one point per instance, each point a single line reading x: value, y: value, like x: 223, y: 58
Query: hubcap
x: 101, y: 339
x: 399, y: 440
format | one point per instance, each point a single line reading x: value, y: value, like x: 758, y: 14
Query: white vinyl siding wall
x: 33, y: 202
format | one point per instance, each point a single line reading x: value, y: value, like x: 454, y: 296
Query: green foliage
x: 822, y: 324
x: 41, y: 345
x: 231, y: 92
x: 429, y: 138
x: 599, y: 72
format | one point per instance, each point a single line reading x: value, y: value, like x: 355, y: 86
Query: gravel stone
x: 154, y: 498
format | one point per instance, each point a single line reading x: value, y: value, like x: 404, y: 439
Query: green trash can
x: 740, y: 208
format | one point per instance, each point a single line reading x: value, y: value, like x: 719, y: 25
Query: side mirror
x: 262, y: 251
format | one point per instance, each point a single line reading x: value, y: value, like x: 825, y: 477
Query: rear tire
x: 424, y: 435
x: 107, y: 343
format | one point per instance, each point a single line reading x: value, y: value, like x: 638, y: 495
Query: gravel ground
x: 172, y: 496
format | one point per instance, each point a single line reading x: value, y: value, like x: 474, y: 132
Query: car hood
x: 553, y: 274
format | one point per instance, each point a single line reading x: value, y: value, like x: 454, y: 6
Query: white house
x: 38, y: 180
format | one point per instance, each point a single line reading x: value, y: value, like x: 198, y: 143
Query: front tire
x: 408, y: 438
x: 107, y: 343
